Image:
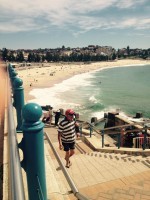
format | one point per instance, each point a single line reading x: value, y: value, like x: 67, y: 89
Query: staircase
x: 99, y: 175
x: 57, y: 186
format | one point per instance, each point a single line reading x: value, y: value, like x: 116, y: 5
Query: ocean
x: 91, y: 94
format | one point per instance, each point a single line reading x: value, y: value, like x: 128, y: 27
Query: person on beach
x: 67, y: 135
x: 57, y: 116
x: 48, y: 116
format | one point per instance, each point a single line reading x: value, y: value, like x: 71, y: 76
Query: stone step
x: 93, y: 170
x: 100, y: 175
x: 82, y: 147
x: 125, y: 157
x: 57, y: 186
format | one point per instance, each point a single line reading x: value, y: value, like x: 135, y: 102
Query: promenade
x: 103, y: 174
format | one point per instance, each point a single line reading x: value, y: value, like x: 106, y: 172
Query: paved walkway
x: 101, y: 175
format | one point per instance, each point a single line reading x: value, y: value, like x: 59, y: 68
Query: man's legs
x: 56, y: 121
x: 69, y: 153
x: 50, y: 120
x: 69, y: 149
x: 67, y: 158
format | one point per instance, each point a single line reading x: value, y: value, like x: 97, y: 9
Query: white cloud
x: 129, y: 3
x: 45, y: 6
x: 19, y: 15
x: 84, y: 6
x: 131, y: 22
x: 17, y: 25
x: 144, y: 24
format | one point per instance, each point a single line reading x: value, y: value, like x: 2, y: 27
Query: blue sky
x: 74, y: 23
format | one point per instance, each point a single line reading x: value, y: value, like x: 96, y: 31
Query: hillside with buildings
x: 91, y: 53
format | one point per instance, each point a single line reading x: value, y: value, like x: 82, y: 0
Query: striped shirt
x: 67, y: 130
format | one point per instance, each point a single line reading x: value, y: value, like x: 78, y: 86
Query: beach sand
x: 47, y: 74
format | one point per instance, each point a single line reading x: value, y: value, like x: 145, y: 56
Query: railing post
x: 13, y: 76
x: 145, y: 139
x: 122, y: 133
x: 10, y: 68
x: 134, y: 142
x: 80, y: 128
x: 102, y: 138
x: 119, y: 139
x: 18, y: 101
x: 91, y: 130
x: 33, y: 149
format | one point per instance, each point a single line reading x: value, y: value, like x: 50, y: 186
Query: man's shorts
x: 68, y: 146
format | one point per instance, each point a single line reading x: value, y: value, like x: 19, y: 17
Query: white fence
x: 138, y: 142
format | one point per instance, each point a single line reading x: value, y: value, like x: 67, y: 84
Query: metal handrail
x: 15, y: 175
x: 113, y: 127
x: 70, y: 182
x: 101, y: 132
x: 118, y: 127
x: 39, y: 191
x: 138, y: 141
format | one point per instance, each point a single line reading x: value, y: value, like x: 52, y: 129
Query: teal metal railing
x: 32, y: 144
x: 15, y: 178
x: 117, y: 130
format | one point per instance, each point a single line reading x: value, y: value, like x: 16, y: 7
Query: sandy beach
x: 47, y: 74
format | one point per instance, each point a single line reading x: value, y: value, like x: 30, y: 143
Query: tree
x: 49, y: 56
x: 30, y: 57
x: 11, y: 57
x: 128, y: 50
x: 37, y: 58
x: 43, y: 58
x: 5, y: 54
x: 63, y: 47
x: 113, y: 56
x: 20, y: 57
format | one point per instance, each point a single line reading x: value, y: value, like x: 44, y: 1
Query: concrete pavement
x: 111, y: 174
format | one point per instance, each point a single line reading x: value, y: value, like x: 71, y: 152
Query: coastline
x: 48, y: 74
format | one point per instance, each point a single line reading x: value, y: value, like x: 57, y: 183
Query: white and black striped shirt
x: 67, y: 130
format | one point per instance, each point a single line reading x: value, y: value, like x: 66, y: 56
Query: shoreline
x: 49, y: 74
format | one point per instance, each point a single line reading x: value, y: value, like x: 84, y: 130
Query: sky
x: 33, y: 24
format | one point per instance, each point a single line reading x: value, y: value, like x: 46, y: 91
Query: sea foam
x: 52, y: 96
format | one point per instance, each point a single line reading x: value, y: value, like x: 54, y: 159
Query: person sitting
x: 46, y: 117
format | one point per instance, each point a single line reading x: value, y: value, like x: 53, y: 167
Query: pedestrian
x: 57, y: 116
x: 67, y: 135
x: 50, y: 111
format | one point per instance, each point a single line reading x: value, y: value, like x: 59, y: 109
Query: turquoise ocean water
x: 91, y: 94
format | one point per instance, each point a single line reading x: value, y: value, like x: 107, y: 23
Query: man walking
x: 67, y: 135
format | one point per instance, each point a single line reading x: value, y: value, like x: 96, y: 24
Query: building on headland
x: 91, y: 50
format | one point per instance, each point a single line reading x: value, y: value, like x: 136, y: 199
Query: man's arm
x: 59, y: 140
x: 77, y: 130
